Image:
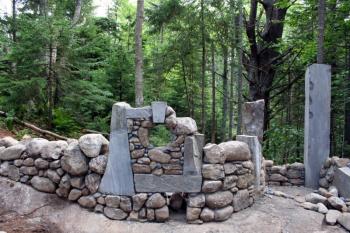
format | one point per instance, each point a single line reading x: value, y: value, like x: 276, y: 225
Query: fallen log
x: 94, y: 131
x: 34, y: 128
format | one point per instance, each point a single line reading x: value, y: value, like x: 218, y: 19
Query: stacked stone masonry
x: 219, y: 179
x: 147, y: 159
x: 227, y: 183
x: 329, y: 168
x: 284, y: 175
x: 73, y: 170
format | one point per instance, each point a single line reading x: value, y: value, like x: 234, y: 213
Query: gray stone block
x: 255, y: 150
x: 317, y: 121
x: 136, y: 113
x: 158, y: 111
x: 253, y: 118
x: 118, y: 178
x: 167, y: 183
x: 193, y: 150
x: 342, y: 181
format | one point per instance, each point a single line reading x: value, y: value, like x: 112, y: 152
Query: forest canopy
x: 62, y: 67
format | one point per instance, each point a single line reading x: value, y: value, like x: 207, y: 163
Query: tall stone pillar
x: 253, y: 119
x: 317, y: 121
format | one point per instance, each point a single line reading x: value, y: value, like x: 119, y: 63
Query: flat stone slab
x: 158, y: 111
x: 118, y: 177
x: 193, y: 150
x: 317, y: 121
x: 167, y: 183
x: 136, y: 113
x: 342, y: 181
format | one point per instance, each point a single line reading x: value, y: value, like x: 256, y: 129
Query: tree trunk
x: 232, y: 64
x: 213, y: 93
x: 239, y: 64
x: 14, y: 24
x: 77, y: 12
x: 264, y: 55
x: 347, y: 107
x: 203, y: 70
x: 231, y: 94
x: 225, y: 94
x: 138, y: 55
x: 321, y: 29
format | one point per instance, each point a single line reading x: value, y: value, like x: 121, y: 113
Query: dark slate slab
x: 317, y: 121
x: 193, y: 150
x: 135, y: 113
x: 158, y: 111
x: 167, y: 183
x: 118, y: 178
x: 342, y: 181
x: 253, y: 119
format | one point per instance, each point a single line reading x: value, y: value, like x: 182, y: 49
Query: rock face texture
x: 74, y: 162
x: 92, y: 144
x: 253, y: 118
x: 287, y: 175
x: 227, y: 183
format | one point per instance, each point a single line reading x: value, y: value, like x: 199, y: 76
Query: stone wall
x: 131, y: 179
x: 227, y: 183
x: 146, y: 159
x: 73, y: 169
x: 328, y: 169
x: 285, y: 175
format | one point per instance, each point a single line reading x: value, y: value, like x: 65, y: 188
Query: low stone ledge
x: 167, y: 183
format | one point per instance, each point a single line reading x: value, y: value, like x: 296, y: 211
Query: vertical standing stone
x: 193, y: 154
x: 253, y: 119
x: 317, y: 121
x: 255, y: 150
x: 158, y: 111
x: 118, y: 178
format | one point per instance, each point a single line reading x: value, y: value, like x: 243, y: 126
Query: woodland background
x: 62, y: 67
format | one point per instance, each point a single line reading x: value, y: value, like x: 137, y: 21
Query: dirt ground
x: 25, y: 210
x: 5, y: 133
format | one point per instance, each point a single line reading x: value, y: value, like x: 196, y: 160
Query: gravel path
x: 23, y: 209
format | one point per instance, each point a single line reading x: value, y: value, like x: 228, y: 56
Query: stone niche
x: 175, y: 167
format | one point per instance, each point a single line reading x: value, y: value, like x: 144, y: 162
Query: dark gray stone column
x: 317, y: 121
x: 118, y: 178
x: 253, y: 119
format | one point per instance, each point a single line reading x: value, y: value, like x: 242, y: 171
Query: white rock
x: 213, y: 154
x: 235, y: 151
x: 315, y: 198
x: 91, y: 144
x: 185, y: 125
x: 8, y: 141
x: 332, y: 216
x: 35, y: 146
x: 322, y: 208
x: 12, y: 152
x: 54, y: 149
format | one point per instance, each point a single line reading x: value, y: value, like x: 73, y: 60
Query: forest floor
x: 23, y: 209
x: 5, y: 133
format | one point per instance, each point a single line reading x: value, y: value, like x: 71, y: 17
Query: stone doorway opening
x: 177, y: 206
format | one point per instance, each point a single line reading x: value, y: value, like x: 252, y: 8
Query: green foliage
x: 160, y: 136
x: 94, y: 65
x: 63, y: 122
